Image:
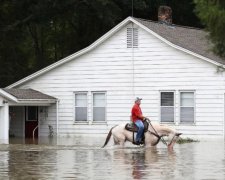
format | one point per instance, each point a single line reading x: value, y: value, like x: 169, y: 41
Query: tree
x: 212, y: 14
x: 36, y: 33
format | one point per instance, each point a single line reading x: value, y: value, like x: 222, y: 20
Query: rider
x: 138, y: 119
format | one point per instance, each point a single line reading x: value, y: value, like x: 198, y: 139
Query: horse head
x: 164, y: 130
x: 172, y: 139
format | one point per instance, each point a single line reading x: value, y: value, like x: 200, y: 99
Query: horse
x: 153, y: 134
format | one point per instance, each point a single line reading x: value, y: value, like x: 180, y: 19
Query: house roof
x: 25, y: 94
x: 190, y: 40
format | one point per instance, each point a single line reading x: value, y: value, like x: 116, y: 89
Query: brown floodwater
x: 83, y: 158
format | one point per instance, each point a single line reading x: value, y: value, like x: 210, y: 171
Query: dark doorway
x: 31, y: 121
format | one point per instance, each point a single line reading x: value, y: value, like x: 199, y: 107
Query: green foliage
x: 186, y: 140
x: 212, y: 14
x: 36, y: 33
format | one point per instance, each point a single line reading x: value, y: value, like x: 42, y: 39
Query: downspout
x: 221, y: 69
x: 223, y: 116
x: 57, y: 117
x: 6, y: 122
x: 133, y: 93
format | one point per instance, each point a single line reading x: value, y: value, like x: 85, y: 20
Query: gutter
x: 37, y: 100
x: 8, y: 96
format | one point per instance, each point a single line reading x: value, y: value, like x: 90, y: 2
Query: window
x: 80, y: 106
x: 31, y: 113
x: 132, y: 38
x: 167, y: 106
x: 99, y: 104
x: 187, y: 107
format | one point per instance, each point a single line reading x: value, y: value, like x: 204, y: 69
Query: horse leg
x: 116, y: 142
x: 119, y: 140
x: 122, y: 142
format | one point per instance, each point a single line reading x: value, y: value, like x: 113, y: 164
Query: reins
x: 162, y: 139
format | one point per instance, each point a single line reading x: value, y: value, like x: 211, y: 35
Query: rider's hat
x: 138, y: 99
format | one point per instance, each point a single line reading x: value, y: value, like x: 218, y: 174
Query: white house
x: 171, y: 67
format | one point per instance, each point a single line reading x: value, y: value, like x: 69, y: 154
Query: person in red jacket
x: 138, y: 118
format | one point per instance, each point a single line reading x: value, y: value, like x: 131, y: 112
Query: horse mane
x: 163, y: 128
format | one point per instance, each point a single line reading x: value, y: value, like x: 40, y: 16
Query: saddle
x: 133, y: 128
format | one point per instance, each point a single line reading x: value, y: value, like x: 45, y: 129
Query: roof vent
x: 132, y: 38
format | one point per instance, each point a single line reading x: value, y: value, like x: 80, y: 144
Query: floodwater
x: 83, y: 158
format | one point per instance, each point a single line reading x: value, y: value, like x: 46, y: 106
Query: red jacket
x: 136, y: 113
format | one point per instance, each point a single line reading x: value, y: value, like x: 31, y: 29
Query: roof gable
x: 175, y: 36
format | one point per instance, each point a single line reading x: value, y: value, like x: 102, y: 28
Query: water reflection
x: 138, y: 164
x: 31, y: 164
x: 4, y: 164
x: 147, y: 163
x: 77, y: 158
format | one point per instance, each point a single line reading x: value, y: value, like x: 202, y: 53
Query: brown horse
x: 153, y: 135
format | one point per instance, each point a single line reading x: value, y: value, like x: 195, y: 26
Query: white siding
x: 154, y: 67
x: 48, y: 120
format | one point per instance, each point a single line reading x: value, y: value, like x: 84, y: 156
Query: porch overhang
x: 33, y: 102
x: 20, y: 97
x: 26, y: 97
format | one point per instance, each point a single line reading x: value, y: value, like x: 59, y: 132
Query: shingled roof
x: 192, y: 39
x: 25, y: 94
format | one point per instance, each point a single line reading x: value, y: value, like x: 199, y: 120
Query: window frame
x: 76, y: 93
x: 194, y: 106
x: 92, y: 98
x: 174, y: 106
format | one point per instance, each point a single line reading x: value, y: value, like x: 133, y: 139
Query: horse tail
x: 108, y: 136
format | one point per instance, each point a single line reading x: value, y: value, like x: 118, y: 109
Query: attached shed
x: 171, y: 67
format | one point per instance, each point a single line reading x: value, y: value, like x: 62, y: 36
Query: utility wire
x: 132, y: 9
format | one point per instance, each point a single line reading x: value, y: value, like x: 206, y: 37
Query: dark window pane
x: 32, y: 113
x: 167, y: 98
